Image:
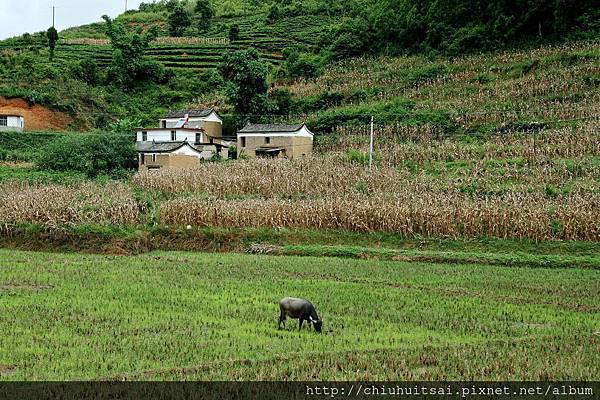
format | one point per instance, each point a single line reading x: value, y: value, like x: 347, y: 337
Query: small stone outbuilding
x: 158, y: 155
x: 275, y: 141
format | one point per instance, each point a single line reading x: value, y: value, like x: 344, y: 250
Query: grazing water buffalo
x: 299, y: 308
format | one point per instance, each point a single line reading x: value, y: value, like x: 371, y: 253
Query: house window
x: 3, y: 120
x: 144, y: 136
x: 142, y: 159
x: 267, y: 140
x: 153, y: 158
x: 173, y: 135
x: 243, y: 142
x: 198, y: 137
x: 163, y: 123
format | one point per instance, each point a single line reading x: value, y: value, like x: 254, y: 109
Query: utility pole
x: 53, y: 15
x: 371, y: 146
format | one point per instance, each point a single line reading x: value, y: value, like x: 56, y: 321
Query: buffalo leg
x: 300, y: 323
x: 281, y: 319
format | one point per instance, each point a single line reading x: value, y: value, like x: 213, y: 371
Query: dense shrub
x: 87, y: 71
x: 396, y: 110
x: 301, y: 64
x: 91, y: 154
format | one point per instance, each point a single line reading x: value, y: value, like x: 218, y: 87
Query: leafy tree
x: 347, y: 39
x: 206, y: 11
x: 282, y: 99
x: 456, y: 26
x: 247, y: 82
x: 125, y: 126
x: 234, y: 32
x: 179, y: 20
x: 52, y: 36
x: 129, y: 66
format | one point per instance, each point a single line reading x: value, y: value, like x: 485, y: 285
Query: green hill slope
x: 455, y: 95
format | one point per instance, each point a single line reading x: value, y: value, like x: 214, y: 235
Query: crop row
x: 56, y: 205
x: 523, y: 216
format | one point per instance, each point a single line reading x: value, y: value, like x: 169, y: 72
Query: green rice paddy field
x: 205, y: 316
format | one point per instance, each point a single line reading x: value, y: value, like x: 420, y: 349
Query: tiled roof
x: 192, y: 113
x: 259, y: 128
x: 159, y: 147
x: 168, y: 147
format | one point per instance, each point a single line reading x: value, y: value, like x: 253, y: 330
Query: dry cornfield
x: 429, y: 214
x: 397, y: 144
x: 542, y: 186
x: 507, y: 186
x: 56, y: 205
x: 549, y: 83
x: 309, y: 177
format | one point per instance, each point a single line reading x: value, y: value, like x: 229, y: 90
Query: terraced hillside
x: 203, y: 52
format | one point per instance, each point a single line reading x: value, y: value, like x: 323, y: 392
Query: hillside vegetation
x: 301, y: 41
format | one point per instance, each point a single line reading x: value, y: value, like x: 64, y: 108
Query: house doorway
x: 269, y: 153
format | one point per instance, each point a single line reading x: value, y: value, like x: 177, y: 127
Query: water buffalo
x: 299, y: 308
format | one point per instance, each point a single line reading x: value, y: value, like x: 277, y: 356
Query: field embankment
x: 98, y: 239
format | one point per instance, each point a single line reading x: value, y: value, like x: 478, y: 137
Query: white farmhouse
x: 184, y: 138
x: 11, y: 122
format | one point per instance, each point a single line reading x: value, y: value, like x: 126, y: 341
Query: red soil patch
x: 37, y: 118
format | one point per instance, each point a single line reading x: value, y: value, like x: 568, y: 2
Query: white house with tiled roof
x: 183, y: 139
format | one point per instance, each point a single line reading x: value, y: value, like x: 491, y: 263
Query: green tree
x: 179, y: 20
x: 129, y: 65
x: 206, y: 11
x: 52, y: 36
x: 246, y: 78
x: 125, y: 126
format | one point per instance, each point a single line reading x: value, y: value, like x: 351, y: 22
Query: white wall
x: 164, y: 135
x: 14, y: 123
x: 304, y: 132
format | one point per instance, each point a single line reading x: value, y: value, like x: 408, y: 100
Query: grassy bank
x: 304, y: 242
x: 169, y: 315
